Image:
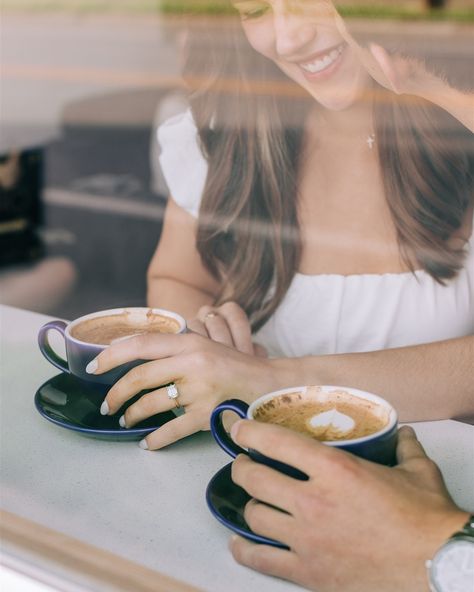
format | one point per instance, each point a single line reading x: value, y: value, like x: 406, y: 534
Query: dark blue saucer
x: 227, y: 501
x: 74, y: 404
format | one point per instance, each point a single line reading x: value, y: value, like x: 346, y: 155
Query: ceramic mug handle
x: 46, y: 348
x: 218, y: 430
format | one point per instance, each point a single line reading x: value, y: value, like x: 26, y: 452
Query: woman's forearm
x: 177, y: 296
x: 424, y: 382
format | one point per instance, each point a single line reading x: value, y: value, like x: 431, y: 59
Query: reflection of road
x: 48, y: 61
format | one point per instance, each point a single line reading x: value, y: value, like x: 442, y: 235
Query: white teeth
x: 323, y: 63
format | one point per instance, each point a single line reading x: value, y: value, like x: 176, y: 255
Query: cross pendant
x: 371, y: 141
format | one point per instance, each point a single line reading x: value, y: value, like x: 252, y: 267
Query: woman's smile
x: 323, y: 64
x: 310, y: 51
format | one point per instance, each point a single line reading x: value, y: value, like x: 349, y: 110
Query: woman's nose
x: 292, y: 33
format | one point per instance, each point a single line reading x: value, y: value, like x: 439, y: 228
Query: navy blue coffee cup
x: 80, y: 353
x: 379, y: 447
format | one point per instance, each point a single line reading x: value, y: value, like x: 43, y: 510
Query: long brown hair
x: 252, y: 137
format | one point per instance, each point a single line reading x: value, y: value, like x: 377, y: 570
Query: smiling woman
x: 290, y: 132
x: 321, y: 210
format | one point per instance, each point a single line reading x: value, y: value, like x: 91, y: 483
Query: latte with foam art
x: 326, y: 416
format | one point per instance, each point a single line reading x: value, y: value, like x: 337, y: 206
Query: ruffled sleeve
x: 182, y: 162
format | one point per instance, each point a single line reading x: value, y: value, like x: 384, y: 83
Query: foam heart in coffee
x: 326, y: 416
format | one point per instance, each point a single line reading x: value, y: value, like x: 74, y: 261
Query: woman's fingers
x: 147, y: 405
x: 216, y: 326
x: 198, y: 327
x: 142, y: 377
x: 386, y: 65
x: 174, y: 430
x: 265, y: 559
x: 140, y: 347
x: 343, y: 31
x: 228, y: 324
x: 260, y: 351
x: 369, y: 61
x: 239, y: 326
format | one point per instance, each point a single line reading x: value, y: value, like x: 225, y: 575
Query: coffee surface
x: 327, y: 417
x: 108, y: 329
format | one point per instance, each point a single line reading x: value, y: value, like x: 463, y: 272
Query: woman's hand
x: 227, y: 324
x: 205, y: 373
x: 401, y: 75
x: 409, y: 76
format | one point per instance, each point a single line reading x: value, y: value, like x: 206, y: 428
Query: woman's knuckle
x: 147, y: 402
x: 134, y: 345
x: 113, y: 397
x: 201, y: 360
x: 240, y: 325
x: 173, y: 432
x: 145, y: 344
x: 130, y: 415
x: 137, y: 375
x: 193, y: 341
x: 229, y: 306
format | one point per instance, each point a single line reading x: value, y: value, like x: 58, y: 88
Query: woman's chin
x: 338, y: 101
x: 345, y: 94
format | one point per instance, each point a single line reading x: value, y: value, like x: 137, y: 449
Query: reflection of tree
x: 436, y: 3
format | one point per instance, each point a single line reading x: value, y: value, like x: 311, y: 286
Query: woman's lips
x: 323, y: 66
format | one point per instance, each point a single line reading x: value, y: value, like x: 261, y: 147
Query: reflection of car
x: 28, y: 278
x: 20, y: 205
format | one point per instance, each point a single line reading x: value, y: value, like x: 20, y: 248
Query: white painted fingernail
x: 122, y: 422
x: 143, y: 445
x: 104, y: 408
x: 92, y: 366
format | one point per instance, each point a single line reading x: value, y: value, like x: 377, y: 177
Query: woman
x: 330, y: 216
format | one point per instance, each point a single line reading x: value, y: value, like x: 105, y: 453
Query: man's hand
x: 354, y: 526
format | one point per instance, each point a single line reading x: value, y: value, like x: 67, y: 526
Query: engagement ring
x: 173, y: 394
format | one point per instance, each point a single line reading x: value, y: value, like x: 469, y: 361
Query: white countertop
x: 146, y: 506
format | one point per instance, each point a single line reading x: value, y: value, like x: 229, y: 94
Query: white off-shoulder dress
x: 330, y: 313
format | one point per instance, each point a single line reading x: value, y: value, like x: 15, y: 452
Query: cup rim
x: 393, y: 416
x: 116, y: 311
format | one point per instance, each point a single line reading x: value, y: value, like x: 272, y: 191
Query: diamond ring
x: 173, y: 394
